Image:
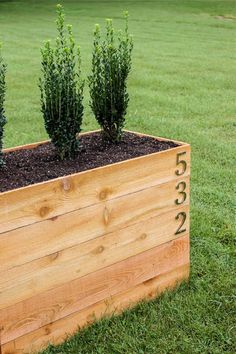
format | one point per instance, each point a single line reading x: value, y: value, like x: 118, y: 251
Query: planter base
x: 58, y: 331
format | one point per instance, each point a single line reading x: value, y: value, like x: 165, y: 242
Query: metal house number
x: 181, y: 187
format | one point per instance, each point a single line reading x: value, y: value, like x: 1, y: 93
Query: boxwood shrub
x: 111, y: 64
x: 61, y: 89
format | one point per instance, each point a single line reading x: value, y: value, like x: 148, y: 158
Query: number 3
x: 182, y: 192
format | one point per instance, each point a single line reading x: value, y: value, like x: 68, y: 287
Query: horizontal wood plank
x: 46, y: 200
x: 29, y: 279
x: 52, y: 236
x: 58, y: 331
x: 143, y: 275
x: 28, y: 315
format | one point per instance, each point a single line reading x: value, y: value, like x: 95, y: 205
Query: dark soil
x: 25, y: 167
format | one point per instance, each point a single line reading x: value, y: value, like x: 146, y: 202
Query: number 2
x: 181, y: 215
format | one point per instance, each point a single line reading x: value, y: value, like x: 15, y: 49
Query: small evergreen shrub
x: 2, y: 100
x: 111, y: 64
x: 61, y: 89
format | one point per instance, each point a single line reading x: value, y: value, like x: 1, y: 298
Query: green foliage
x: 111, y: 65
x: 176, y: 46
x: 62, y: 90
x: 2, y: 100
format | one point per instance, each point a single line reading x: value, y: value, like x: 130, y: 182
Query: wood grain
x: 31, y: 204
x: 29, y: 279
x: 138, y: 277
x: 77, y: 294
x: 52, y: 236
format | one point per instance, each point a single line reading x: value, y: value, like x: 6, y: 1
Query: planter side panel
x: 170, y: 265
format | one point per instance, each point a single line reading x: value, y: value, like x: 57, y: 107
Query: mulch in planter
x: 25, y: 167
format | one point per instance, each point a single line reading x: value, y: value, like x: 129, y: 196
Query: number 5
x: 183, y: 163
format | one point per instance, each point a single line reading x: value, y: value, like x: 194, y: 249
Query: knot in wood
x: 106, y: 216
x: 47, y: 331
x: 104, y: 193
x: 45, y: 210
x: 66, y: 184
x: 142, y: 236
x: 98, y: 250
x: 54, y: 256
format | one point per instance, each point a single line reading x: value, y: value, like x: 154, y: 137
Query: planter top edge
x: 181, y: 143
x: 34, y: 145
x: 37, y: 143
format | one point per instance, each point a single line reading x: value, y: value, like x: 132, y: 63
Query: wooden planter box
x: 79, y: 247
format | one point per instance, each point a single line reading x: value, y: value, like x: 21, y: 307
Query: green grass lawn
x: 183, y: 86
